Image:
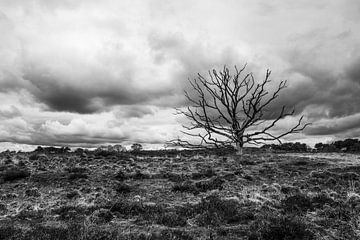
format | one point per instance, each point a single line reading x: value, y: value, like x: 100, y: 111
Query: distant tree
x: 231, y: 109
x: 79, y: 151
x: 119, y: 148
x: 39, y: 149
x: 136, y: 147
x: 63, y: 149
x: 348, y: 143
x: 319, y: 146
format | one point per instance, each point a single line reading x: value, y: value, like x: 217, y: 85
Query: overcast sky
x: 90, y: 72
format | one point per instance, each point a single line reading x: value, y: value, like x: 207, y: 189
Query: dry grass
x: 263, y: 196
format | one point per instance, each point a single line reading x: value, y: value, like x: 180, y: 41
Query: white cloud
x: 112, y: 71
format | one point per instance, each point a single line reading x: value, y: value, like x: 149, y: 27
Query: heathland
x: 188, y: 195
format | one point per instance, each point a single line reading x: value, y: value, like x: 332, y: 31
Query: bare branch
x: 225, y: 106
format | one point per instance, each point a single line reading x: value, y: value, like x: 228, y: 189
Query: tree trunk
x: 239, y: 149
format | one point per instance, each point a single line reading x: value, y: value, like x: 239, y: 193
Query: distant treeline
x: 288, y: 147
x: 56, y: 150
x: 108, y: 151
x: 347, y: 145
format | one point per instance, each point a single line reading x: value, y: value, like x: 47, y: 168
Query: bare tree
x: 232, y: 109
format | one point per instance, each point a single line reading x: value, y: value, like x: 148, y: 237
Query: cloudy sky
x: 90, y: 72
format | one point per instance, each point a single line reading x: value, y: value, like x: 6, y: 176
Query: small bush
x: 319, y: 200
x: 33, y: 157
x: 32, y: 192
x: 215, y: 211
x: 297, y: 203
x: 72, y: 212
x: 75, y: 176
x: 15, y: 174
x: 208, y: 173
x: 97, y: 233
x: 72, y: 194
x: 9, y: 232
x: 26, y: 214
x: 120, y: 175
x: 77, y: 170
x: 200, y: 186
x: 123, y: 188
x: 139, y: 175
x: 215, y: 183
x: 39, y: 157
x: 3, y: 208
x: 288, y: 189
x: 342, y: 211
x: 51, y: 232
x: 186, y: 186
x: 280, y: 228
x: 103, y: 153
x: 129, y: 208
x: 101, y: 216
x: 171, y: 219
x: 174, y: 177
x: 174, y: 234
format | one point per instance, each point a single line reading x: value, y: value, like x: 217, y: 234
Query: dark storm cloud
x: 335, y: 126
x: 59, y: 94
x: 337, y: 93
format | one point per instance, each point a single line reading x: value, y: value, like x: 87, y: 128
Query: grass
x: 147, y: 197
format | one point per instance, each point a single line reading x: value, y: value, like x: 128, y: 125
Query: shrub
x: 175, y: 234
x: 297, y: 203
x: 129, y: 208
x: 101, y: 216
x: 186, y: 186
x: 33, y: 157
x: 280, y: 228
x: 120, y: 175
x: 73, y: 194
x: 68, y: 212
x: 215, y: 183
x: 139, y: 175
x: 215, y: 211
x: 32, y: 192
x: 75, y: 176
x: 208, y: 173
x: 103, y: 153
x: 123, y: 188
x: 321, y: 199
x: 15, y: 174
x: 97, y: 233
x: 174, y: 177
x: 28, y: 214
x: 171, y: 219
x: 9, y: 232
x: 53, y: 232
x: 200, y: 186
x: 77, y: 170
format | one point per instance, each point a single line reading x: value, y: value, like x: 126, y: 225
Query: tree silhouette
x: 136, y: 147
x: 231, y: 109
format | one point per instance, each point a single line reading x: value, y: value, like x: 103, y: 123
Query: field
x: 263, y: 196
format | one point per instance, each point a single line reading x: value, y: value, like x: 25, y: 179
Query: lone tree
x: 136, y: 147
x: 232, y: 109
